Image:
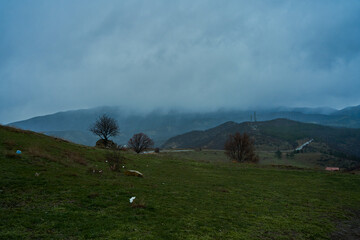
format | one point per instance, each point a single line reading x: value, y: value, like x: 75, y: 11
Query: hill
x: 349, y: 112
x: 160, y: 125
x: 281, y: 134
x: 56, y: 189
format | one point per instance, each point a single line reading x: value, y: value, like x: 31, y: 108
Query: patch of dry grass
x: 12, y: 155
x: 36, y: 152
x: 10, y: 144
x: 138, y: 203
x: 76, y: 158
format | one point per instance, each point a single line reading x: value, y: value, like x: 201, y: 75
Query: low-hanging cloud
x: 194, y: 55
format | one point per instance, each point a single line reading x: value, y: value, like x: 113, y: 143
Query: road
x: 305, y: 144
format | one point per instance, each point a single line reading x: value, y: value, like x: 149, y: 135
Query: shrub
x: 240, y: 148
x: 140, y: 142
x: 115, y: 160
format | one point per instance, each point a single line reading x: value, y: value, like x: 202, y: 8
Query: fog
x: 188, y: 55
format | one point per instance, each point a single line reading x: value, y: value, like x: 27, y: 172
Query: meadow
x: 59, y: 190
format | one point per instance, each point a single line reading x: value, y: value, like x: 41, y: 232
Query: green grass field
x: 51, y: 192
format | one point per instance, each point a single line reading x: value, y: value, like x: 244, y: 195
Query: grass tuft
x: 138, y: 203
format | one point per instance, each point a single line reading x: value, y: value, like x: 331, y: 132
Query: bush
x: 240, y: 148
x: 157, y: 150
x: 115, y: 160
x: 140, y: 142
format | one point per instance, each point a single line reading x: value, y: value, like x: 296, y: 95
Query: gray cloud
x: 195, y: 55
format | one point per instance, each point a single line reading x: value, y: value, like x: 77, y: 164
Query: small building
x: 332, y: 169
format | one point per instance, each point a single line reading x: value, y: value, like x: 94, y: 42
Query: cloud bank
x: 191, y: 55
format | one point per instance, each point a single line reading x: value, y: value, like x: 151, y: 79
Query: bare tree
x: 240, y: 148
x: 105, y: 127
x: 140, y: 142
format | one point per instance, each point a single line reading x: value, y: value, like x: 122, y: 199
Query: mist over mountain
x: 196, y: 55
x: 162, y: 125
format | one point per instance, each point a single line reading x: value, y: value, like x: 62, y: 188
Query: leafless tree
x: 140, y: 142
x: 105, y: 127
x: 240, y: 148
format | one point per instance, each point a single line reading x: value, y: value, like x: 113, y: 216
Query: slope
x: 51, y: 191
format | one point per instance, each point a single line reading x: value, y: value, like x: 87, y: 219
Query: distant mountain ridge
x: 73, y: 125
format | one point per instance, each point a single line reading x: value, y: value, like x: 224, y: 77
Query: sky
x: 190, y: 55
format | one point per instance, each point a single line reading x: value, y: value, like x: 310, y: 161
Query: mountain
x: 349, y: 112
x: 276, y: 134
x: 74, y: 125
x: 160, y: 125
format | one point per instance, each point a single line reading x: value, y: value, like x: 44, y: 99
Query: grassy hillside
x: 51, y: 191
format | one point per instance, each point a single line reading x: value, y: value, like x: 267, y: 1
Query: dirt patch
x: 349, y: 229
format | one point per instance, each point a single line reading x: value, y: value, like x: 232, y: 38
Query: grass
x: 301, y: 160
x: 48, y: 193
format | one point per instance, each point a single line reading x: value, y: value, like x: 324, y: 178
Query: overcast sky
x: 190, y: 55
